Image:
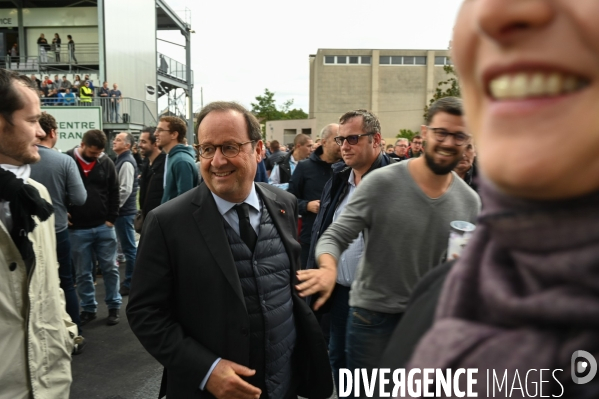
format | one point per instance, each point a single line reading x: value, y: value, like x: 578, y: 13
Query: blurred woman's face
x: 529, y: 72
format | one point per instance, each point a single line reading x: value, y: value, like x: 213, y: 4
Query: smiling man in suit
x: 213, y: 299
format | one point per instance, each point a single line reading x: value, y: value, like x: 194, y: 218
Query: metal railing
x: 128, y: 110
x: 84, y: 53
x: 169, y: 67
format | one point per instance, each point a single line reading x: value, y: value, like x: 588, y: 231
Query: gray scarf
x: 524, y: 295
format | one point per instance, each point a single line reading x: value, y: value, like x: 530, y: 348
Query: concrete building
x: 115, y: 41
x: 284, y: 131
x: 395, y: 84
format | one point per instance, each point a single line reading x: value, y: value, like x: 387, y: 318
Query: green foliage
x: 446, y: 88
x: 406, y: 134
x: 265, y: 109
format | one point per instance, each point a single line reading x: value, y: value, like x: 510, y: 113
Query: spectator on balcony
x: 43, y: 48
x: 163, y: 64
x: 14, y: 55
x: 91, y: 82
x: 56, y: 82
x: 104, y: 94
x: 65, y: 84
x: 86, y: 94
x: 52, y: 98
x: 56, y: 46
x: 76, y: 84
x: 69, y: 97
x: 71, y: 45
x: 36, y: 81
x: 44, y: 89
x: 115, y: 105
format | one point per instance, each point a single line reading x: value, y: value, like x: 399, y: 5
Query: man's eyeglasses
x: 351, y: 140
x: 229, y: 150
x: 441, y: 134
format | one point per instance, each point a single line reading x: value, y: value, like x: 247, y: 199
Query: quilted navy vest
x: 265, y: 278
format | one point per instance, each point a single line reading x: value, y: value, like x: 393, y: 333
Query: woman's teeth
x: 538, y: 84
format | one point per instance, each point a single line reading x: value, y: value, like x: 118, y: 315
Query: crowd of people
x: 63, y: 92
x: 51, y: 52
x: 236, y: 272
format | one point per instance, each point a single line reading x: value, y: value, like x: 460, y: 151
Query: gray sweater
x: 58, y: 172
x: 405, y: 234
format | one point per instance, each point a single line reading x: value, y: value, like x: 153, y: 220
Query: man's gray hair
x: 129, y: 139
x: 370, y: 123
x: 326, y: 131
x: 403, y: 139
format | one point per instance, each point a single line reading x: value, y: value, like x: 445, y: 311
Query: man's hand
x: 69, y: 219
x: 224, y: 382
x: 109, y: 224
x: 321, y: 280
x: 313, y: 206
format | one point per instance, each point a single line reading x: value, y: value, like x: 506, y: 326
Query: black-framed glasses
x: 229, y: 150
x: 351, y: 140
x: 441, y: 134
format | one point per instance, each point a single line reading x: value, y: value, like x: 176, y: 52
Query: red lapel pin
x: 283, y: 211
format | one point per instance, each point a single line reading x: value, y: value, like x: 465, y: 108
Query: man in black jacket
x: 214, y: 300
x: 308, y: 181
x: 275, y: 156
x: 282, y: 171
x: 92, y: 226
x: 151, y: 184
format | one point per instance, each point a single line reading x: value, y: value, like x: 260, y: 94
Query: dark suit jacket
x: 186, y: 304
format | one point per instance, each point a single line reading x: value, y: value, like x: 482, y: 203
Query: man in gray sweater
x: 403, y: 211
x: 58, y: 172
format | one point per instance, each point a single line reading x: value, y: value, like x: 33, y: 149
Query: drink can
x: 459, y: 235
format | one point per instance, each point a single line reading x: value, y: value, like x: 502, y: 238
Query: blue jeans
x: 339, y: 313
x: 115, y: 111
x: 368, y: 334
x: 100, y: 240
x: 65, y: 272
x: 126, y: 233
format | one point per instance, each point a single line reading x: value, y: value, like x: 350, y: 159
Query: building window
x: 307, y: 131
x: 408, y: 60
x: 347, y: 60
x: 442, y: 61
x: 402, y: 60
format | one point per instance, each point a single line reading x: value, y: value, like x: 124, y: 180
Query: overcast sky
x: 242, y: 47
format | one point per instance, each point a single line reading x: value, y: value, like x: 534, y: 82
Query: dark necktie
x: 246, y: 231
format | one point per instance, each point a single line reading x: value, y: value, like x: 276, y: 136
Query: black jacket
x: 274, y: 158
x: 333, y: 193
x: 187, y: 306
x: 307, y: 183
x: 285, y: 168
x: 151, y: 183
x: 102, y: 186
x: 417, y: 319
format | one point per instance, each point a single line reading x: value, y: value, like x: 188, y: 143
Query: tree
x: 406, y: 134
x: 265, y: 110
x: 446, y: 88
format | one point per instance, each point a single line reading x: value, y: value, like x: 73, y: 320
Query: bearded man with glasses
x: 404, y: 211
x: 214, y: 299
